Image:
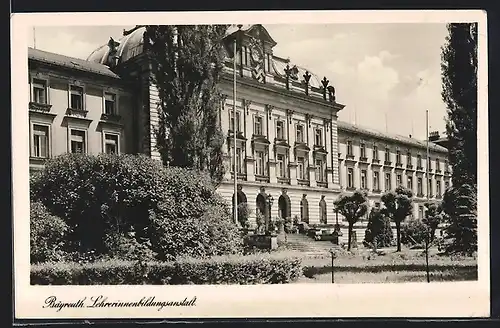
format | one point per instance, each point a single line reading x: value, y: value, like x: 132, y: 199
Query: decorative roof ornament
x: 288, y: 72
x: 113, y: 50
x: 307, y: 77
x: 324, y: 82
x: 331, y: 93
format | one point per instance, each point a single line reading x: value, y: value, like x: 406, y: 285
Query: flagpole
x: 234, y: 129
x: 34, y: 38
x: 427, y: 159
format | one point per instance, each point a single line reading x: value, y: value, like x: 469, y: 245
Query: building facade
x: 289, y: 141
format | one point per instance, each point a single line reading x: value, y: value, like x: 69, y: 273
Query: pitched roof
x: 390, y: 137
x: 70, y: 62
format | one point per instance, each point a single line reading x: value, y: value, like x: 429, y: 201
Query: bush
x: 47, y: 235
x: 379, y: 226
x: 98, y: 196
x: 131, y: 207
x: 413, y: 232
x: 244, y: 212
x: 277, y: 268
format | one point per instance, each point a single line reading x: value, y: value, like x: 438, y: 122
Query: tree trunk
x: 349, y: 236
x: 375, y: 244
x: 398, y: 234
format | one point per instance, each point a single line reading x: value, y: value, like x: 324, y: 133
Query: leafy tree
x: 186, y: 62
x: 459, y: 92
x: 352, y: 207
x: 433, y: 217
x: 378, y: 231
x: 398, y: 205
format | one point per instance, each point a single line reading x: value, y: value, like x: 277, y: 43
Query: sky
x: 387, y: 75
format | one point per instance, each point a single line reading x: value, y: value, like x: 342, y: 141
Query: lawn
x: 362, y: 266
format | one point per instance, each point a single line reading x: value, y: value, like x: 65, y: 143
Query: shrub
x: 131, y: 207
x: 276, y: 268
x: 47, y: 235
x: 101, y: 195
x: 244, y: 212
x: 413, y: 232
x: 378, y: 226
x: 175, y: 232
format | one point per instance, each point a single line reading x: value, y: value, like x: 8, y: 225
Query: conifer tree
x: 186, y: 62
x: 459, y: 92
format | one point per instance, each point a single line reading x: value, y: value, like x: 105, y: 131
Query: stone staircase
x: 308, y: 246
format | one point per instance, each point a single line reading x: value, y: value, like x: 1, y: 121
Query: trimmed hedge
x: 278, y: 268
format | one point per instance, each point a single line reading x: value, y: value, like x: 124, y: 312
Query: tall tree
x: 352, y: 207
x: 398, y: 205
x: 459, y: 92
x: 186, y: 62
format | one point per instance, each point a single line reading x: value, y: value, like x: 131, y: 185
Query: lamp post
x: 332, y: 253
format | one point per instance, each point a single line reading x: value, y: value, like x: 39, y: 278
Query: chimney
x: 433, y: 136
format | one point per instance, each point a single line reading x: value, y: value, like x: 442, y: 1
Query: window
x: 376, y: 183
x: 319, y: 170
x: 362, y: 150
x: 40, y: 141
x: 349, y: 147
x: 419, y: 186
x: 78, y: 142
x: 350, y: 178
x: 375, y: 152
x: 109, y: 103
x: 446, y: 185
x: 399, y: 179
x: 76, y: 97
x: 438, y: 165
x: 280, y: 130
x: 39, y: 91
x: 238, y: 160
x: 245, y: 55
x: 318, y: 140
x: 363, y: 179
x: 111, y: 143
x: 429, y: 186
x: 387, y: 154
x: 409, y: 183
x: 419, y: 161
x: 257, y: 128
x: 301, y: 167
x: 438, y: 188
x: 429, y: 164
x: 259, y: 167
x: 387, y: 181
x: 408, y: 158
x: 398, y: 157
x: 446, y: 166
x: 238, y: 127
x: 420, y: 212
x: 281, y: 165
x: 322, y: 211
x: 300, y: 133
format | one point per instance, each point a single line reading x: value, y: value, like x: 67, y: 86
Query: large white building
x: 290, y: 143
